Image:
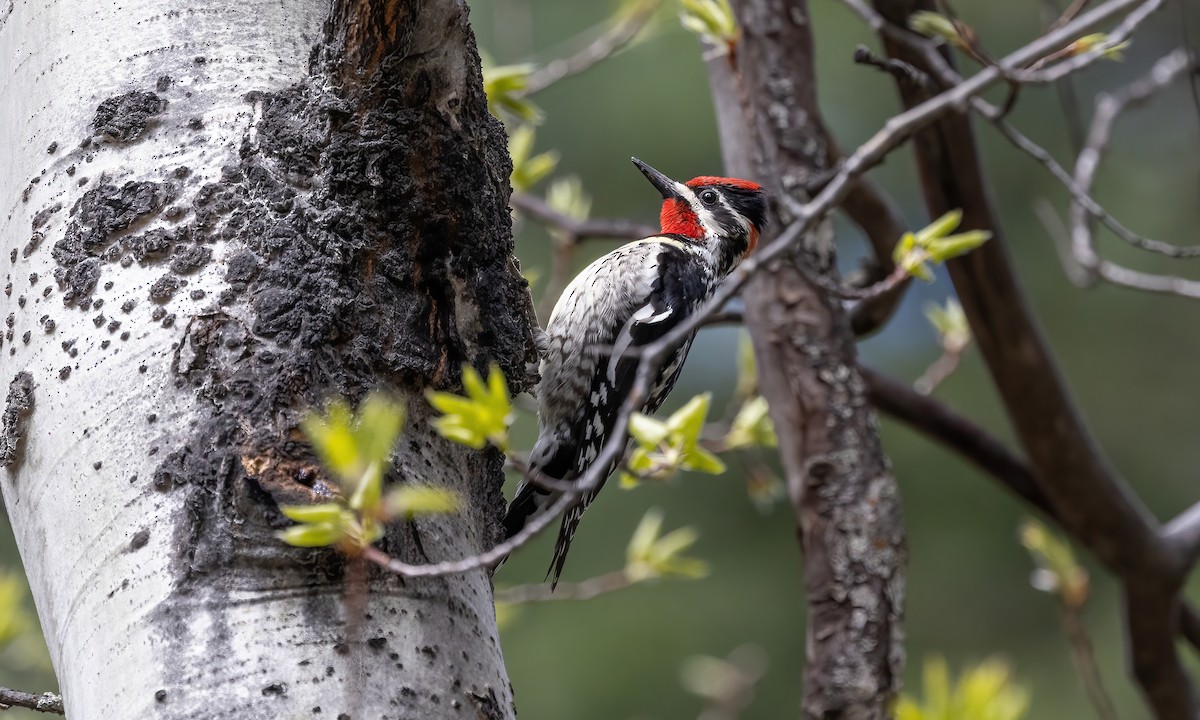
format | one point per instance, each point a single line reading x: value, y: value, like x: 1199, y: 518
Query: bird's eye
x: 708, y: 197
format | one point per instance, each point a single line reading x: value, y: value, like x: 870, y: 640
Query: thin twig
x: 937, y: 372
x: 1183, y: 533
x: 1085, y: 662
x: 950, y: 78
x: 1072, y: 10
x: 586, y: 590
x: 614, y: 39
x: 46, y: 702
x: 895, y: 131
x: 1068, y: 66
x: 1108, y: 108
x: 536, y: 208
x: 940, y: 423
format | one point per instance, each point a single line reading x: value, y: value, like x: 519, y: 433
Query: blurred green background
x: 1130, y: 359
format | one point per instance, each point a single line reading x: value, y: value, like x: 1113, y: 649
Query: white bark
x: 137, y: 626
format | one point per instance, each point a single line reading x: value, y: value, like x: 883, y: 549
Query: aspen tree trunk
x: 218, y: 214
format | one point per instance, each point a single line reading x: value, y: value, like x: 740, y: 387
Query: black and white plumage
x: 628, y: 298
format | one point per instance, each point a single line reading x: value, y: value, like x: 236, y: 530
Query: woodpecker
x: 628, y: 298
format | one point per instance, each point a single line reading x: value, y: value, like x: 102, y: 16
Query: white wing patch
x: 644, y: 316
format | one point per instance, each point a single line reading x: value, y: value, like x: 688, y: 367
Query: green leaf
x: 409, y: 500
x: 505, y: 87
x: 380, y: 420
x: 480, y: 417
x: 712, y: 20
x: 332, y: 437
x: 955, y: 245
x: 983, y: 692
x: 646, y: 430
x: 312, y: 535
x: 698, y: 459
x: 642, y: 540
x: 954, y: 332
x: 320, y: 513
x: 566, y: 196
x: 1057, y: 570
x: 368, y: 490
x: 688, y: 421
x: 528, y: 169
x: 941, y: 227
x: 349, y: 443
x: 1087, y: 43
x: 752, y: 426
x: 650, y: 555
x: 933, y: 25
x: 933, y: 243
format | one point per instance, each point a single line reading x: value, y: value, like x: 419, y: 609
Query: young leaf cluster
x: 954, y: 332
x: 936, y: 244
x: 479, y: 418
x: 1057, y: 571
x: 984, y: 692
x: 664, y: 447
x: 356, y: 448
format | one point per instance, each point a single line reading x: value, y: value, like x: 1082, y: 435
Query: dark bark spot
x: 190, y: 259
x: 53, y: 148
x: 140, y: 538
x: 125, y: 117
x: 34, y: 241
x: 164, y: 288
x: 17, y: 408
x: 163, y: 83
x: 43, y: 216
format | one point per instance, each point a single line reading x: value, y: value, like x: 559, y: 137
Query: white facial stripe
x: 707, y: 220
x: 743, y: 221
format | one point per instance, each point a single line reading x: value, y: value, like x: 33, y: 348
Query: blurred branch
x: 869, y: 207
x: 1093, y: 502
x: 586, y: 590
x: 615, y: 38
x: 1119, y: 34
x: 948, y: 77
x: 46, y: 702
x: 1108, y: 108
x: 974, y: 444
x: 940, y: 369
x: 936, y: 420
x: 568, y: 233
x: 1183, y: 533
x: 1085, y: 661
x: 619, y: 229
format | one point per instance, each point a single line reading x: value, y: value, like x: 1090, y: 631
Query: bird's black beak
x: 665, y: 185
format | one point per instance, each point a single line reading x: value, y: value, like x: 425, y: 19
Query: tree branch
x: 614, y: 39
x: 619, y: 229
x: 1108, y: 108
x: 586, y: 590
x: 46, y: 702
x: 940, y: 423
x: 1092, y: 501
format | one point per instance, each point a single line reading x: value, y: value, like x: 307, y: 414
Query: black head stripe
x: 750, y: 204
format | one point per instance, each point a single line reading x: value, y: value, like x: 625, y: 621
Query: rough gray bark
x: 845, y: 497
x: 252, y: 209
